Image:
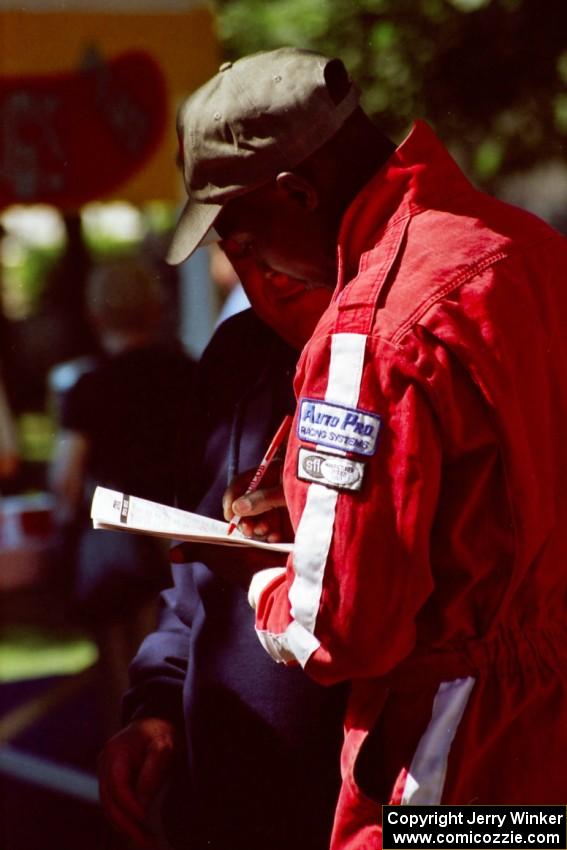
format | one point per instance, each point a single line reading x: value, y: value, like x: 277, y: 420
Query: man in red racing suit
x: 425, y: 480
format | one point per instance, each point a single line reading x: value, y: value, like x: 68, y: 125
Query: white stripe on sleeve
x: 315, y: 530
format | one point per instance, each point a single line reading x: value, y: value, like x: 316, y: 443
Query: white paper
x: 117, y: 511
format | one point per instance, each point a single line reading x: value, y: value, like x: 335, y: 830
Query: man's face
x: 284, y: 304
x: 281, y: 236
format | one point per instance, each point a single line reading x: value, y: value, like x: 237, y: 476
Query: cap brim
x: 191, y: 231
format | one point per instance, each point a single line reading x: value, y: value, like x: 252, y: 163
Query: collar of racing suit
x: 405, y: 184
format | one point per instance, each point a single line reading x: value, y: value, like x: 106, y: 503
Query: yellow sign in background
x: 179, y: 36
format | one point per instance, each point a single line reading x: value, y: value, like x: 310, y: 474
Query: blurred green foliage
x: 22, y: 283
x: 28, y: 653
x: 489, y: 75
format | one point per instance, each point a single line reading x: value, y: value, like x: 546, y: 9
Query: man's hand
x: 265, y: 517
x: 133, y: 768
x: 264, y: 512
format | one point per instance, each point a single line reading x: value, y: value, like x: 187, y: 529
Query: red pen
x: 272, y: 450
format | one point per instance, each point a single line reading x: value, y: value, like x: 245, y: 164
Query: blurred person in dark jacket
x: 207, y: 713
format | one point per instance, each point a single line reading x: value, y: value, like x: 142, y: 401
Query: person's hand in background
x: 133, y: 768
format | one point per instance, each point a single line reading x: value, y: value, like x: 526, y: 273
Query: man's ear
x: 299, y: 190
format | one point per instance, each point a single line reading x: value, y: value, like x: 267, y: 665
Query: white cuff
x: 295, y: 644
x: 261, y: 580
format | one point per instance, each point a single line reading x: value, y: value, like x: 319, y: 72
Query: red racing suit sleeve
x: 360, y: 571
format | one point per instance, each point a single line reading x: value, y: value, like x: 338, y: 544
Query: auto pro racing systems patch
x: 349, y: 429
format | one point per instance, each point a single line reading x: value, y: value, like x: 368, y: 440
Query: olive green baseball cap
x: 261, y: 115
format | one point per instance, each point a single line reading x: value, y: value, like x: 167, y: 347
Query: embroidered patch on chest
x: 337, y: 426
x: 340, y: 473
